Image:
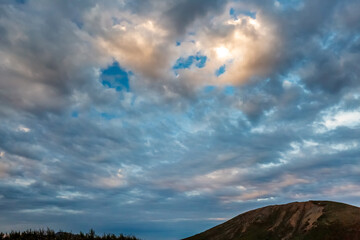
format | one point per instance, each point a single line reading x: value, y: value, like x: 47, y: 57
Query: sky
x: 164, y: 118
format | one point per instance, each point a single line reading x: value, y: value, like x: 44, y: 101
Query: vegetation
x: 51, y: 235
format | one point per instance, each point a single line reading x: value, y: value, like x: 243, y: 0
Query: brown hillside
x: 299, y: 220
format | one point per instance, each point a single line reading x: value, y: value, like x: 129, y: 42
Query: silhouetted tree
x: 61, y: 235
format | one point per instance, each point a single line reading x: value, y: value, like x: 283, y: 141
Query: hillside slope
x: 299, y: 220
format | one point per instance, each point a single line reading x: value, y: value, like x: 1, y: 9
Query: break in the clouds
x: 163, y: 118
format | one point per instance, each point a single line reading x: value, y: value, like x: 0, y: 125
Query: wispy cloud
x: 139, y: 116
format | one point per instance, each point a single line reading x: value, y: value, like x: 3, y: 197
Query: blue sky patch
x: 75, y: 114
x: 183, y: 63
x: 220, y: 70
x: 115, y: 77
x: 229, y: 90
x: 107, y: 116
x: 235, y: 13
x: 209, y: 88
x: 200, y: 61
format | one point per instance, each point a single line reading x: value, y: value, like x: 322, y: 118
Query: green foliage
x: 51, y: 235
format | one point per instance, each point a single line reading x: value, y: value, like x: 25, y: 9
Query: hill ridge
x: 312, y: 219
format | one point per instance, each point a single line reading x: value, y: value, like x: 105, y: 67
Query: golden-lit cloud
x: 137, y: 43
x: 244, y: 46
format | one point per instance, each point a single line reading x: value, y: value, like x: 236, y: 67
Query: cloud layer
x: 163, y: 118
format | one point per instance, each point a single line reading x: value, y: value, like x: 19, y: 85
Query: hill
x: 313, y: 220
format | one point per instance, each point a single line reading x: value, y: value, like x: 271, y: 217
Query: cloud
x: 35, y: 80
x: 113, y: 110
x: 340, y: 119
x: 184, y: 13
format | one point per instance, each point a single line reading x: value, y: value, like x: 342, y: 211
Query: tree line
x: 52, y: 235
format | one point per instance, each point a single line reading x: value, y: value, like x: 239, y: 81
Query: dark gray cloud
x: 175, y: 154
x: 183, y: 13
x: 43, y: 58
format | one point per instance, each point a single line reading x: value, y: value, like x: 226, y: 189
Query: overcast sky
x: 164, y: 118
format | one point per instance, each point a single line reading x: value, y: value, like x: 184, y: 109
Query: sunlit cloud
x: 342, y: 119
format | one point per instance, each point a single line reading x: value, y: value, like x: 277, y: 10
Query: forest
x: 49, y: 234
